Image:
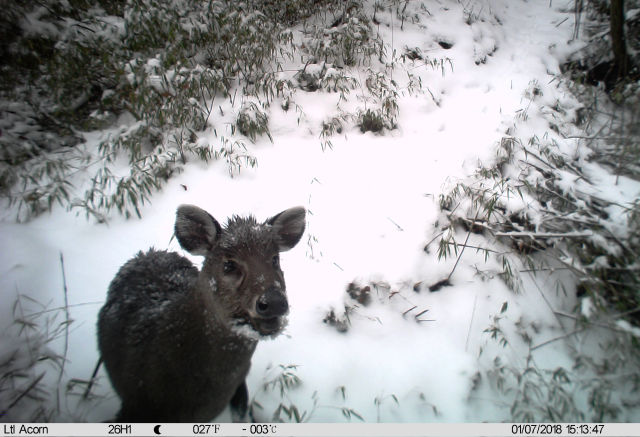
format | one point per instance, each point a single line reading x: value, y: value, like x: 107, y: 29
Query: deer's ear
x: 288, y: 227
x: 197, y: 231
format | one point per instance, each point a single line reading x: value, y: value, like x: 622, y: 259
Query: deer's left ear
x: 288, y: 226
x: 197, y: 231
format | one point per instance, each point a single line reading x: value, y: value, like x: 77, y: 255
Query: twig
x: 620, y: 243
x: 589, y: 322
x: 528, y: 151
x: 397, y: 225
x: 17, y: 307
x: 422, y: 320
x: 426, y: 246
x: 562, y: 337
x: 24, y: 393
x: 580, y: 137
x: 93, y: 378
x: 463, y: 247
x: 533, y: 235
x: 421, y: 313
x: 578, y: 14
x: 409, y: 310
x: 56, y: 309
x: 474, y: 247
x: 473, y: 313
x: 626, y: 313
x: 545, y: 269
x: 66, y: 330
x: 595, y: 136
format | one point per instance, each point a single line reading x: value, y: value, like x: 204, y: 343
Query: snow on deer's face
x: 243, y: 265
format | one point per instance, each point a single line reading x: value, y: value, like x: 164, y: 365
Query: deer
x: 177, y: 342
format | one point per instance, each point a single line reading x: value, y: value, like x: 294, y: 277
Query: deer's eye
x: 276, y: 261
x: 230, y: 267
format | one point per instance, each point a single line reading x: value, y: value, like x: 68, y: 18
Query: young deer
x: 177, y: 343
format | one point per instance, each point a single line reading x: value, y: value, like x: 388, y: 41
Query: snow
x: 372, y: 203
x: 626, y: 326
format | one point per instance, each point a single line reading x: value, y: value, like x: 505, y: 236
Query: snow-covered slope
x: 372, y: 201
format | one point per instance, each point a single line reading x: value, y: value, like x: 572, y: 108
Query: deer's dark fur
x: 177, y: 342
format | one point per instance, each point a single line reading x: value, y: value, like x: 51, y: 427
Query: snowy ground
x: 372, y: 204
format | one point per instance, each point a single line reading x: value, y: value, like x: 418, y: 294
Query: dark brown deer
x: 177, y: 342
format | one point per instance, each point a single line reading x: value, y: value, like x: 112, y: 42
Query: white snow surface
x: 372, y: 203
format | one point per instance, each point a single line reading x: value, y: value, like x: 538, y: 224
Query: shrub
x: 252, y: 122
x: 371, y: 121
x: 348, y: 41
x: 154, y: 67
x: 537, y: 206
x: 28, y: 361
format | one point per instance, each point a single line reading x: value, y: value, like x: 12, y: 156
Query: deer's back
x: 160, y: 358
x: 141, y: 296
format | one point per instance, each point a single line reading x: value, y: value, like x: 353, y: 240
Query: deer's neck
x: 210, y: 321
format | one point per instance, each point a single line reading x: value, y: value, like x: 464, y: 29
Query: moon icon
x: 156, y: 429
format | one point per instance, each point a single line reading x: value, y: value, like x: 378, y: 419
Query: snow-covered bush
x: 153, y: 70
x: 348, y: 41
x: 28, y: 363
x: 371, y: 121
x: 540, y: 209
x: 252, y: 122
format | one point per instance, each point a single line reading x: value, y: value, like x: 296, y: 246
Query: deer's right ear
x: 196, y: 230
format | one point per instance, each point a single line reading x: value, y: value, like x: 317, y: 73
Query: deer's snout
x: 273, y: 303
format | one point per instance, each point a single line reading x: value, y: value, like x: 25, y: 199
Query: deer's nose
x: 273, y: 303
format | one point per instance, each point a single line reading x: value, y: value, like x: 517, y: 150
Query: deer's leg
x: 240, y: 404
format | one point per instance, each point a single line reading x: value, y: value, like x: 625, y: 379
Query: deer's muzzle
x: 273, y: 303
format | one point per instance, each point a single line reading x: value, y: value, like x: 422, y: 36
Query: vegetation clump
x: 157, y: 80
x: 151, y: 72
x: 541, y: 211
